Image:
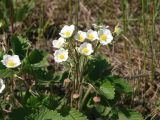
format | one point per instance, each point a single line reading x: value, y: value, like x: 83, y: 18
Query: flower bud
x: 75, y: 95
x: 117, y: 29
x: 8, y: 97
x: 96, y: 99
x: 15, y: 75
x: 66, y: 82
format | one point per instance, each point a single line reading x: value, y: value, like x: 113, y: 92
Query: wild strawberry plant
x: 79, y: 86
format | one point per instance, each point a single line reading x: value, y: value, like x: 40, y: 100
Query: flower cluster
x: 102, y: 35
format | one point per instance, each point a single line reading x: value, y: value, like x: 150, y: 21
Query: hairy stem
x: 85, y: 96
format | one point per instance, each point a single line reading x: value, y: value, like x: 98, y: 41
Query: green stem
x: 85, y: 96
x: 80, y: 96
x: 97, y: 47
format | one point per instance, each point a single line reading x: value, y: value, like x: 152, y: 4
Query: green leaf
x: 4, y: 73
x: 36, y: 65
x: 121, y: 84
x: 33, y: 101
x: 38, y: 58
x: 107, y: 111
x: 108, y: 90
x: 100, y: 108
x: 45, y: 114
x: 130, y: 116
x: 19, y: 45
x: 75, y: 115
x: 98, y: 68
x: 23, y: 10
x: 52, y: 101
x: 19, y: 114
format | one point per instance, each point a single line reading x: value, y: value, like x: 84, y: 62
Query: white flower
x: 61, y: 55
x: 58, y: 43
x: 80, y: 36
x: 85, y: 49
x: 11, y: 61
x: 105, y: 36
x: 92, y: 35
x: 67, y: 31
x: 2, y: 85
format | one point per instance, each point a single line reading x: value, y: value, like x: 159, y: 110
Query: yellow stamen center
x: 61, y: 56
x: 90, y: 36
x: 85, y: 50
x: 81, y: 38
x: 67, y: 33
x: 103, y: 37
x: 11, y: 63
